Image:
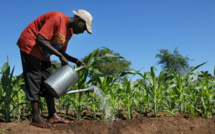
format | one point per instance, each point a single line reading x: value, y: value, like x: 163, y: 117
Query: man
x: 46, y: 35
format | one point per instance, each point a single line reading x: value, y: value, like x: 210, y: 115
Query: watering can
x: 62, y: 80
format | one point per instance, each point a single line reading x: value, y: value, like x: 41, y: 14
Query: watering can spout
x: 79, y: 68
x: 89, y: 89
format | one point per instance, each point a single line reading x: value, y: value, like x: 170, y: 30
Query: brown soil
x: 176, y: 124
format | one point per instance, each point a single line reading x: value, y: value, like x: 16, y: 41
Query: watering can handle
x: 79, y: 68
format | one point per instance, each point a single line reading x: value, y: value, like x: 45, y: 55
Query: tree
x: 110, y: 65
x: 176, y: 60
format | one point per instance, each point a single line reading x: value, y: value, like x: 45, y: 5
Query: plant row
x: 168, y: 92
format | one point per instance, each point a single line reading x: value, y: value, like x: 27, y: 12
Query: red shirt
x: 53, y: 26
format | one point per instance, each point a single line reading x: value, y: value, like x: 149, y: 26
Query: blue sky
x: 136, y: 29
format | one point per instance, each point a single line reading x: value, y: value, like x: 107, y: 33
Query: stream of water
x: 104, y: 101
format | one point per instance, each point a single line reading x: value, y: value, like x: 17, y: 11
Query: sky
x: 137, y: 29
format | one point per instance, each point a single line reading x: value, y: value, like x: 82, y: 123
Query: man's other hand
x: 80, y: 63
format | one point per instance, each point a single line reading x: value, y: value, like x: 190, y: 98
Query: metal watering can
x: 62, y: 80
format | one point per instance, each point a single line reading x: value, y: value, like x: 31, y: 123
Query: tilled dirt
x: 176, y: 124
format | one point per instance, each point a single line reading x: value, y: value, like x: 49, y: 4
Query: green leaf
x: 106, y: 48
x: 127, y: 70
x: 196, y: 67
x: 96, y: 71
x: 91, y: 58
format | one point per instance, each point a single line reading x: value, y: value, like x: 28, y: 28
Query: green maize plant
x: 156, y: 89
x: 182, y: 84
x: 104, y: 85
x: 8, y: 84
x: 66, y: 104
x: 94, y: 103
x: 19, y: 99
x: 186, y: 98
x: 142, y: 99
x: 113, y: 102
x: 143, y: 96
x: 169, y: 103
x: 180, y: 90
x: 128, y: 97
x: 78, y: 99
x: 114, y: 99
x: 207, y: 96
x: 192, y: 98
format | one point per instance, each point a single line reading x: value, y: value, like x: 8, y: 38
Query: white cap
x: 86, y: 16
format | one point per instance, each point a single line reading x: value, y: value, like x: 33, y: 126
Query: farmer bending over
x: 46, y: 35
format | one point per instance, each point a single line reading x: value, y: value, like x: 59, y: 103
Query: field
x: 163, y: 124
x: 171, y: 102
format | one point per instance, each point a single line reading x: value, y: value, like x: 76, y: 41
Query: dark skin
x: 78, y: 25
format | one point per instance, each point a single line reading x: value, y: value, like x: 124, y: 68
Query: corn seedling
x: 207, y: 97
x: 155, y: 89
x: 8, y: 84
x: 182, y: 83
